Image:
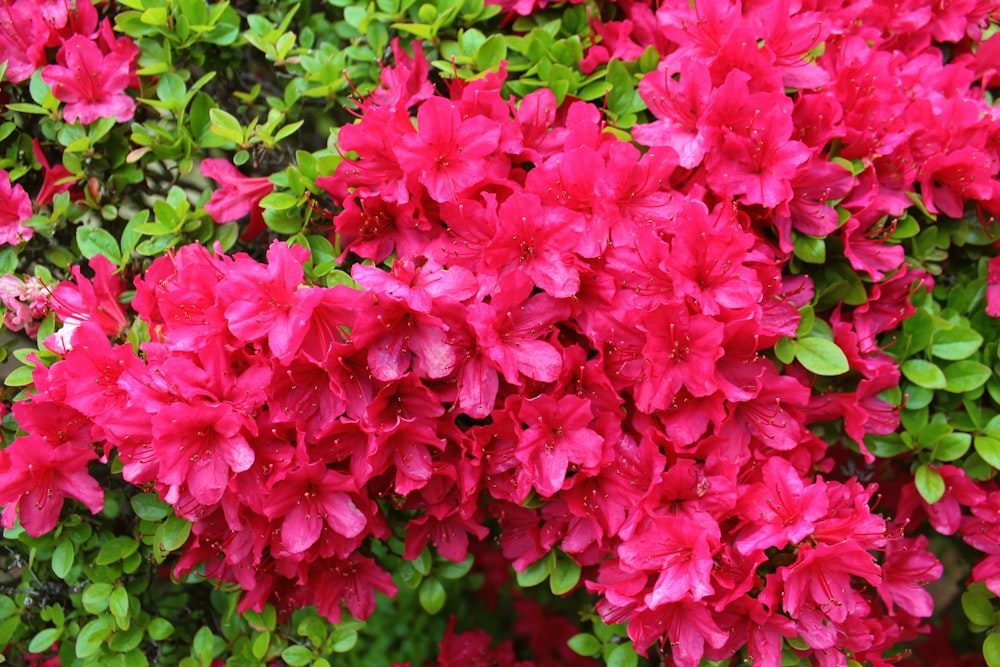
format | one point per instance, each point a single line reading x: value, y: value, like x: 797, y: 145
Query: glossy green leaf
x: 93, y: 635
x: 432, y: 595
x: 44, y: 640
x: 297, y: 656
x: 963, y: 376
x: 821, y: 356
x: 623, y: 655
x: 95, y: 597
x: 952, y: 446
x: 584, y: 644
x: 173, y: 533
x: 118, y: 602
x: 991, y: 650
x: 160, y: 629
x: 536, y: 573
x: 955, y: 344
x: 62, y: 558
x: 929, y: 484
x: 95, y: 241
x: 342, y: 641
x: 565, y: 576
x: 978, y: 608
x: 810, y: 249
x: 149, y: 507
x: 116, y: 549
x: 923, y: 374
x: 988, y: 449
x: 492, y: 51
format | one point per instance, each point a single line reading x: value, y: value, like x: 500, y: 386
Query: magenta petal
x: 343, y: 515
x: 301, y: 528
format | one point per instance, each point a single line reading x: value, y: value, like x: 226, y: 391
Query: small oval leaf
x: 923, y: 374
x: 929, y: 483
x: 821, y: 356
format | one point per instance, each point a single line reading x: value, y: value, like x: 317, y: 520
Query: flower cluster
x: 93, y: 67
x: 613, y: 354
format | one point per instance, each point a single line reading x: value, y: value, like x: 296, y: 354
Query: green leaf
x: 172, y: 91
x: 784, y: 350
x: 226, y: 125
x: 19, y: 377
x: 810, y: 249
x: 565, y: 576
x: 537, y: 572
x: 821, y: 356
x: 584, y: 644
x: 955, y: 344
x: 492, y: 51
x: 279, y: 201
x: 7, y: 629
x: 923, y: 374
x: 95, y: 597
x: 991, y: 650
x: 92, y: 635
x: 7, y: 608
x: 173, y: 533
x: 118, y: 602
x: 116, y: 550
x: 929, y: 484
x: 126, y: 641
x: 297, y: 656
x: 963, y: 376
x: 260, y: 644
x: 988, y: 449
x: 432, y: 595
x: 952, y: 446
x: 148, y: 507
x: 623, y: 655
x: 978, y: 608
x: 95, y: 241
x: 159, y: 629
x: 454, y: 570
x: 424, y: 562
x: 62, y: 559
x: 342, y: 641
x: 44, y: 640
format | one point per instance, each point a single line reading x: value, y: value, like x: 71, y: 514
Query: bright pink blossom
x: 90, y: 82
x: 15, y: 209
x: 240, y: 195
x: 993, y: 287
x: 36, y: 477
x: 448, y: 152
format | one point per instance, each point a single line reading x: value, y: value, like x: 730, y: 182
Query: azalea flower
x: 36, y: 477
x: 90, y: 82
x: 15, y: 208
x: 240, y: 195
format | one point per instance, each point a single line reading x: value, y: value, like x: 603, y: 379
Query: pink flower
x: 821, y: 577
x: 23, y: 34
x: 26, y: 301
x: 680, y: 549
x: 89, y: 301
x: 15, y: 208
x: 781, y: 509
x: 310, y: 499
x: 55, y: 180
x: 36, y: 477
x: 447, y: 153
x: 555, y: 436
x: 993, y: 288
x: 240, y: 195
x: 908, y: 567
x: 90, y: 82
